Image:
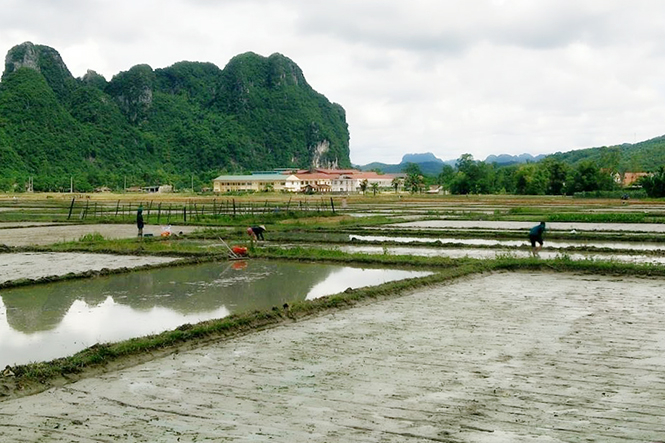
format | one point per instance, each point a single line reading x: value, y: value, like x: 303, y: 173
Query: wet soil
x: 552, y: 226
x: 494, y: 253
x: 44, y: 235
x: 36, y: 265
x: 507, y: 357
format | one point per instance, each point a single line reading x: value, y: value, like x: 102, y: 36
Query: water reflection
x: 48, y: 321
x: 494, y: 253
x: 552, y: 226
x: 626, y: 245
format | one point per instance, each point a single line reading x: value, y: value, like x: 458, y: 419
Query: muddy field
x: 508, y: 357
x: 36, y: 265
x: 47, y: 234
x: 524, y: 226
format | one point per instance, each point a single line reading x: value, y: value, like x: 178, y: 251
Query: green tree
x: 363, y: 186
x: 587, y: 176
x: 531, y: 180
x: 375, y: 187
x: 557, y: 171
x: 395, y: 183
x: 473, y: 176
x: 414, y: 181
x: 445, y: 177
x: 654, y: 184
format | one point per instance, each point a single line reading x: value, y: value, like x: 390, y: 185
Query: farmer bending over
x: 536, y: 236
x: 256, y: 232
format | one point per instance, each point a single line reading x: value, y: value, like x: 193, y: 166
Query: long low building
x: 249, y: 183
x: 319, y: 180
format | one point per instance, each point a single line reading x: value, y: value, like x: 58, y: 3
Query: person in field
x: 139, y: 220
x: 256, y: 232
x: 536, y: 236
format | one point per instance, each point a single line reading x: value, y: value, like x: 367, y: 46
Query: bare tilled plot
x: 36, y: 265
x: 44, y: 235
x: 495, y: 358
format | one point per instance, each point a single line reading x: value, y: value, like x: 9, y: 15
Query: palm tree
x: 363, y: 186
x: 375, y: 187
x: 395, y: 183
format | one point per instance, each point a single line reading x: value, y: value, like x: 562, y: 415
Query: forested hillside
x: 156, y: 126
x: 644, y: 156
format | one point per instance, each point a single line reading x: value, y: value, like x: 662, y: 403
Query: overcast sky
x: 442, y: 76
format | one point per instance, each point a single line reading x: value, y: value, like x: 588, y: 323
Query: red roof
x: 330, y: 174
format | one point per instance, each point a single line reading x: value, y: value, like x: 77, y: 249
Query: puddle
x: 43, y: 322
x: 493, y: 253
x: 514, y: 243
x: 553, y: 226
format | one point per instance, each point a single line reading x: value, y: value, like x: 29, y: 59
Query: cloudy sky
x: 442, y: 76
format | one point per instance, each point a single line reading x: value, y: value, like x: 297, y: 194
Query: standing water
x: 43, y: 322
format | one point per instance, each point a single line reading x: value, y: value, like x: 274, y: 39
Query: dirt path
x: 495, y: 358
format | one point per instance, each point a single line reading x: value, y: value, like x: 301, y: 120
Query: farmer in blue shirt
x: 536, y: 236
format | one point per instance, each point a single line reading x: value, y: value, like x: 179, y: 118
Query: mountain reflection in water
x: 48, y: 321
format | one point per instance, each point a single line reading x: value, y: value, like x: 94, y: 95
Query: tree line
x: 549, y: 176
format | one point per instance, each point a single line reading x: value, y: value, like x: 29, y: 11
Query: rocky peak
x: 37, y: 57
x: 44, y: 60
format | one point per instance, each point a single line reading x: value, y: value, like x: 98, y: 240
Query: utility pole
x: 71, y: 185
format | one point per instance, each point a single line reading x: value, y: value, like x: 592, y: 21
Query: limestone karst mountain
x: 161, y: 125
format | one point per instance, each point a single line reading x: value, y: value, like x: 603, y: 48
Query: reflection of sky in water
x: 344, y: 278
x: 490, y: 242
x: 85, y: 325
x: 44, y: 322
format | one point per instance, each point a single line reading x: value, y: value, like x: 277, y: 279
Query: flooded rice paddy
x: 515, y: 225
x: 496, y: 253
x: 512, y: 243
x: 507, y: 357
x: 43, y: 322
x: 36, y: 265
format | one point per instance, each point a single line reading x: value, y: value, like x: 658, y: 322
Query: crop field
x: 490, y: 344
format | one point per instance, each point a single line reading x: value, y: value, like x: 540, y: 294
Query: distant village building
x: 251, y: 183
x: 631, y: 178
x: 150, y: 189
x: 318, y: 180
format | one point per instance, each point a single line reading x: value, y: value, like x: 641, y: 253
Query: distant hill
x: 427, y: 157
x: 645, y: 156
x: 429, y: 164
x: 157, y: 126
x: 506, y: 159
x: 432, y: 165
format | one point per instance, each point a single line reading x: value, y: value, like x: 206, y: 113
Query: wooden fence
x: 191, y: 211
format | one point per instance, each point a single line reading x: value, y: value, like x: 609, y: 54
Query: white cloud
x: 477, y: 76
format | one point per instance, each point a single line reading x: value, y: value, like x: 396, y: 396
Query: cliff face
x: 46, y: 61
x: 161, y: 125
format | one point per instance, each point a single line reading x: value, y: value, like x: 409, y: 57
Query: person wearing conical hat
x: 256, y: 232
